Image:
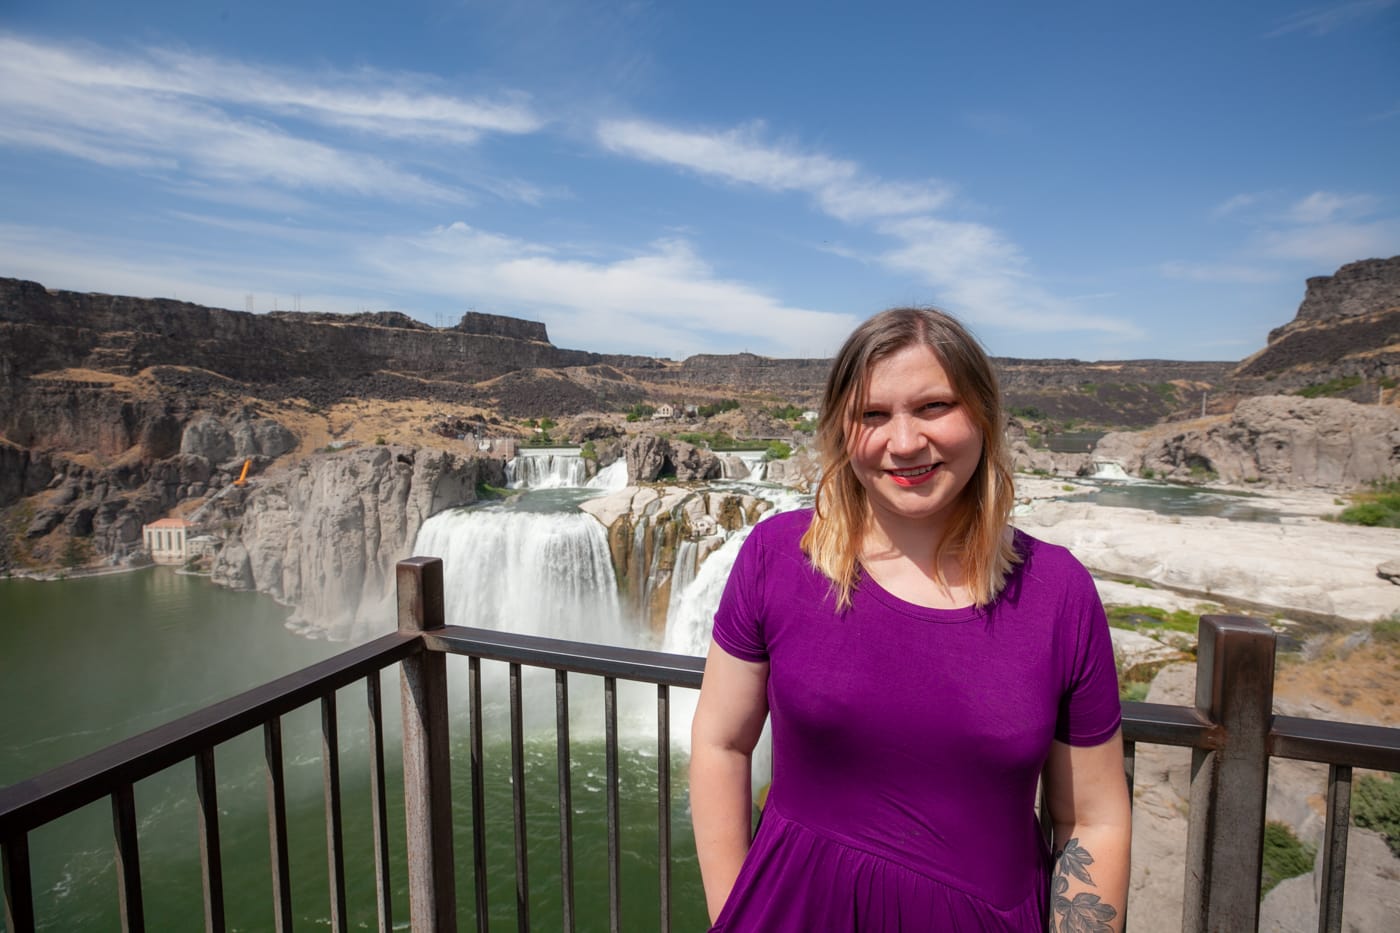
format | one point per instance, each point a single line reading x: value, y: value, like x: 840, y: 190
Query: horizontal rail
x: 652, y: 667
x: 1335, y: 743
x: 45, y: 797
x: 1163, y: 724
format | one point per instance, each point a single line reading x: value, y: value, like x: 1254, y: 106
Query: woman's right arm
x: 728, y: 721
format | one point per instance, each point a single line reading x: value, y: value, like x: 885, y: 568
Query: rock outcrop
x: 1346, y: 336
x: 1280, y: 440
x: 324, y: 535
x: 648, y: 527
x: 650, y: 458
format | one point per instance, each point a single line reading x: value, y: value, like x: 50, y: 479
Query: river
x: 90, y: 661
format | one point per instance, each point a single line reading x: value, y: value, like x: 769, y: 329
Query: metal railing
x: 1231, y: 730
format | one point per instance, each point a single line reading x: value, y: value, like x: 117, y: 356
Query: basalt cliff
x: 115, y: 411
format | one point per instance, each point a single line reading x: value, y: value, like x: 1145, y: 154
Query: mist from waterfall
x: 539, y: 573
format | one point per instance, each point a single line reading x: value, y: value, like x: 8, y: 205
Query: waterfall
x: 546, y: 469
x: 1109, y: 469
x: 752, y: 466
x: 693, y: 605
x: 530, y: 572
x: 610, y: 478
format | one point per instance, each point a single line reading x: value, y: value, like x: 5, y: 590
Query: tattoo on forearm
x: 1086, y: 913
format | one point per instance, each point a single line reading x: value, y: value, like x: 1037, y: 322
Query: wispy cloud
x: 1322, y: 229
x: 665, y: 300
x: 741, y: 155
x: 1319, y: 21
x: 1238, y: 203
x: 978, y: 273
x: 1326, y: 206
x: 973, y: 268
x: 190, y: 116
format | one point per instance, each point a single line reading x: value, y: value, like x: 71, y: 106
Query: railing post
x: 1229, y: 781
x: 432, y: 894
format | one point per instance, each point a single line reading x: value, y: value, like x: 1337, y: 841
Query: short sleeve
x: 738, y: 625
x: 1090, y: 710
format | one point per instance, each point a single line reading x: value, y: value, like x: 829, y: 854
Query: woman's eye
x: 937, y: 406
x: 871, y: 415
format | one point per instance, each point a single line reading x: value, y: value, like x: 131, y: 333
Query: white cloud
x: 1325, y: 206
x: 1238, y: 203
x: 975, y: 270
x: 980, y: 275
x: 665, y: 300
x: 1319, y: 21
x: 184, y: 115
x: 740, y: 155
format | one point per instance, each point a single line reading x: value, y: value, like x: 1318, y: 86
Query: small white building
x: 165, y: 540
x: 663, y: 411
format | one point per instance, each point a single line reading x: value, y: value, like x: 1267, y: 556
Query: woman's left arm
x: 1087, y: 792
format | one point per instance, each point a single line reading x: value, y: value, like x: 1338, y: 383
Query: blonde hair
x: 975, y: 534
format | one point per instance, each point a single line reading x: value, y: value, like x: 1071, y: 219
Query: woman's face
x: 914, y: 445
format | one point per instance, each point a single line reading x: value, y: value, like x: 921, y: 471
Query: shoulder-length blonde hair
x: 976, y: 531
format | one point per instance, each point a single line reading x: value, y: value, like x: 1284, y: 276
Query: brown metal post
x: 1229, y: 782
x: 432, y: 895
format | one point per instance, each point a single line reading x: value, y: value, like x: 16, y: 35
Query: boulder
x: 1282, y: 440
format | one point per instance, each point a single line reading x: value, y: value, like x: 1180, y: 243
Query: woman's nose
x: 905, y: 437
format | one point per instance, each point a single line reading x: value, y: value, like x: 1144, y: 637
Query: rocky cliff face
x: 1355, y: 290
x: 46, y: 330
x: 1346, y: 332
x: 1281, y: 440
x: 325, y: 534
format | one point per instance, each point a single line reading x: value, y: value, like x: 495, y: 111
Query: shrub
x: 588, y: 451
x: 380, y: 440
x: 1285, y: 856
x: 485, y: 490
x: 1377, y: 508
x: 1330, y: 387
x: 1375, y: 805
x: 706, y: 411
x: 76, y: 553
x: 777, y: 450
x: 1387, y: 630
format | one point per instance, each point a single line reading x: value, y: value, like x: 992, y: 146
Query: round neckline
x: 868, y: 584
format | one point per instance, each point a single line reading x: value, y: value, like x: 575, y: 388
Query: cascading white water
x: 754, y: 468
x: 693, y: 605
x: 550, y: 469
x: 531, y: 572
x: 610, y: 478
x: 1109, y: 469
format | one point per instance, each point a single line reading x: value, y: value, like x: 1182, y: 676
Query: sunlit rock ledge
x: 1303, y: 564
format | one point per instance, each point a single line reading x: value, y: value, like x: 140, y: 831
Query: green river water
x: 88, y: 662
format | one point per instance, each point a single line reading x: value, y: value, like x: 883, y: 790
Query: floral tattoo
x: 1086, y: 913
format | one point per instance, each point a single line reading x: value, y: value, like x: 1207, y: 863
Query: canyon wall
x: 324, y: 534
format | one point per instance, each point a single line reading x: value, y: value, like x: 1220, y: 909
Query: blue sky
x: 1097, y: 180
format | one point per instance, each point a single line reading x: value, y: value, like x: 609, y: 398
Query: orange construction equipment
x: 243, y: 477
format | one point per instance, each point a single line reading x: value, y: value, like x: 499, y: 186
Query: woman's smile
x: 913, y: 476
x: 915, y: 445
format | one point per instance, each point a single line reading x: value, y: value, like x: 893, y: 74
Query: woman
x: 924, y: 664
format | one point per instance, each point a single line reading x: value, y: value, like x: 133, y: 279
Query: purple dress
x: 907, y: 741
